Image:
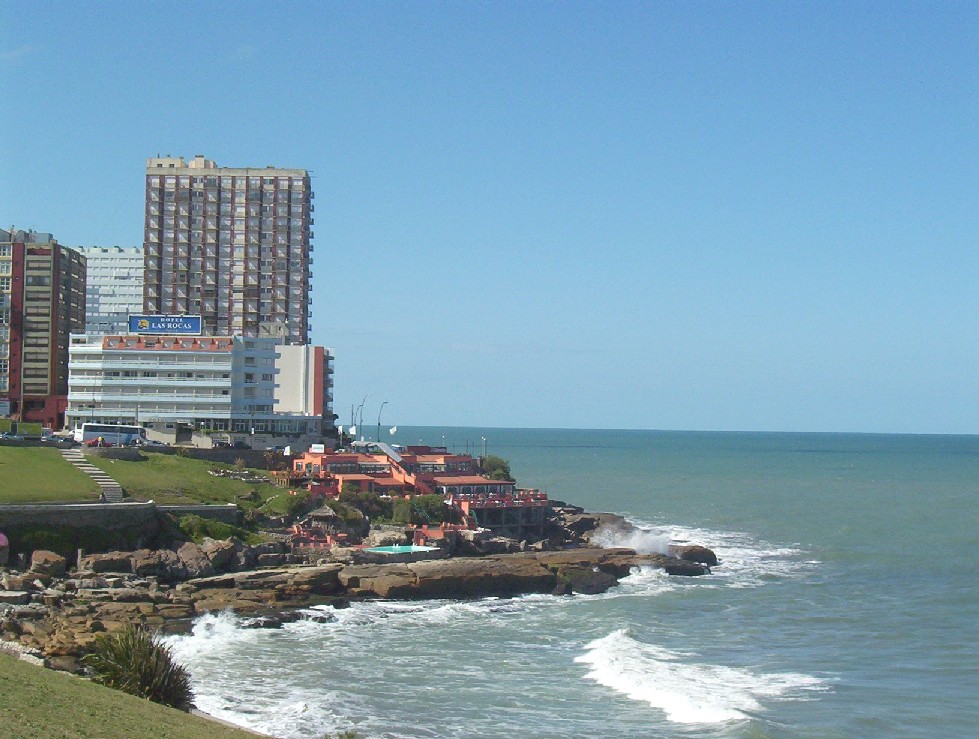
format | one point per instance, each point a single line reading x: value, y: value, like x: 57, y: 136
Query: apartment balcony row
x: 152, y: 361
x: 141, y: 383
x: 149, y: 401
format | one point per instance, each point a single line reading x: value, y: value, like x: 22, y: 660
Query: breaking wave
x: 687, y: 692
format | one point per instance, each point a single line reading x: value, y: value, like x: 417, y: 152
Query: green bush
x: 134, y: 662
x: 418, y: 509
x: 196, y: 528
x: 496, y: 468
x: 371, y: 505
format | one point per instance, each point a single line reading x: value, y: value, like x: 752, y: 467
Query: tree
x: 496, y: 468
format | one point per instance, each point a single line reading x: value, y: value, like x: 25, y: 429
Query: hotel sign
x: 165, y: 325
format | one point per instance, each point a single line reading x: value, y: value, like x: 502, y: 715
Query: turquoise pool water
x: 401, y: 549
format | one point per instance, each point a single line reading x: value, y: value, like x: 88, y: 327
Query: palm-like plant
x: 134, y: 662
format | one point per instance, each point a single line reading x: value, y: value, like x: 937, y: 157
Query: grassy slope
x: 169, y: 478
x: 37, y: 474
x: 35, y: 702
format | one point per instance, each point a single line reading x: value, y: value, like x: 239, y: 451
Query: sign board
x: 317, y: 448
x: 165, y: 325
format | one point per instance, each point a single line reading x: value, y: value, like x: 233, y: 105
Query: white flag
x: 339, y: 430
x: 287, y: 452
x: 352, y: 430
x: 393, y: 430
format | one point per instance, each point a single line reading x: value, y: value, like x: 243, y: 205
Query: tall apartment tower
x: 42, y: 302
x: 114, y: 288
x: 232, y: 245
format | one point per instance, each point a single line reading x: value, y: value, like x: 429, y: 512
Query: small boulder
x: 48, y: 563
x: 694, y: 553
x: 219, y: 552
x: 109, y: 562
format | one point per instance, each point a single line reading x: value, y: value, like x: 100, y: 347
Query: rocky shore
x: 56, y: 615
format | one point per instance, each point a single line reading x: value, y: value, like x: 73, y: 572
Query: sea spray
x: 643, y: 541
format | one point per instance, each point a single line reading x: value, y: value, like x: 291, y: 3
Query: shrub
x: 196, y: 528
x: 134, y: 662
x: 496, y: 468
x: 371, y: 505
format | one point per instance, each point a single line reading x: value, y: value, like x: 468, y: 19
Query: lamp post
x: 360, y: 412
x: 379, y: 421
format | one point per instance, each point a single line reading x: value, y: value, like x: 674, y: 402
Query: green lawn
x: 170, y: 478
x: 35, y: 702
x: 41, y: 475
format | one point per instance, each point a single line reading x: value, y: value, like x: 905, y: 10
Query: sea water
x: 845, y: 605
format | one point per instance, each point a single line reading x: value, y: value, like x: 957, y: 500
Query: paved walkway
x: 111, y: 490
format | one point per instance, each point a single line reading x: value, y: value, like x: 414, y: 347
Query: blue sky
x: 718, y: 216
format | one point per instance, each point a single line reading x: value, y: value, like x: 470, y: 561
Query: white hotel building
x: 197, y: 385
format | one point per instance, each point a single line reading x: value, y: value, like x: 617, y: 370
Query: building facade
x: 233, y: 245
x: 42, y: 302
x: 305, y: 381
x: 200, y: 384
x: 114, y: 288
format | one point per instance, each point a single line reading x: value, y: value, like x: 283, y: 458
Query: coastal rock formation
x: 694, y: 553
x: 58, y: 617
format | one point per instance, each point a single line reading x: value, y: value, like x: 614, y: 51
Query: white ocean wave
x: 687, y: 692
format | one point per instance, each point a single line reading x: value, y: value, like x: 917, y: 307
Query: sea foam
x: 687, y: 692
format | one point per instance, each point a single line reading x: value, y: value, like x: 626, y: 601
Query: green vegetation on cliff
x: 35, y: 702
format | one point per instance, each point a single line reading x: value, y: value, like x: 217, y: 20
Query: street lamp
x: 360, y: 411
x: 379, y: 421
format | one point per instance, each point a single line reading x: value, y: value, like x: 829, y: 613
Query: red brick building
x: 42, y: 302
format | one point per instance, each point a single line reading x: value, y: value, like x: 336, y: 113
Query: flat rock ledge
x: 58, y: 619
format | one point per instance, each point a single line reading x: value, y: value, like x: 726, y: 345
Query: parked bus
x: 110, y: 433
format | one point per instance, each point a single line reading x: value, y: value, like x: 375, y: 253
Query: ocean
x: 845, y: 604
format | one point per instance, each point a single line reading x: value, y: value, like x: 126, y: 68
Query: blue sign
x: 166, y: 325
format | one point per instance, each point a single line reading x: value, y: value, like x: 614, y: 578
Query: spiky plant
x: 134, y: 662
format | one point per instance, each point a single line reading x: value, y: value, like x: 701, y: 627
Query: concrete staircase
x: 111, y: 490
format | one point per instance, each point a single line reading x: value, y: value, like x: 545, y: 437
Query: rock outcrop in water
x: 58, y: 616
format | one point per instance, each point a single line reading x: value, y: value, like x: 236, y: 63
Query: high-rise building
x: 231, y: 245
x: 114, y: 288
x: 42, y: 302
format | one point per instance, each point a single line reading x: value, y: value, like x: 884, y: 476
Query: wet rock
x: 694, y: 553
x: 319, y: 617
x: 587, y: 581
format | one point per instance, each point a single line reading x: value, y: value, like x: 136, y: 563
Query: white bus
x: 111, y: 433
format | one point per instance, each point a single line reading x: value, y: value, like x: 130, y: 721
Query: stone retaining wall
x: 103, y: 515
x: 228, y: 513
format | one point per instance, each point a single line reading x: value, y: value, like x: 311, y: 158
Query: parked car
x: 7, y: 436
x: 152, y: 444
x: 99, y: 443
x: 221, y: 445
x: 241, y: 445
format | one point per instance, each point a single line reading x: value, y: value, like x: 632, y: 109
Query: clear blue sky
x: 732, y: 216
